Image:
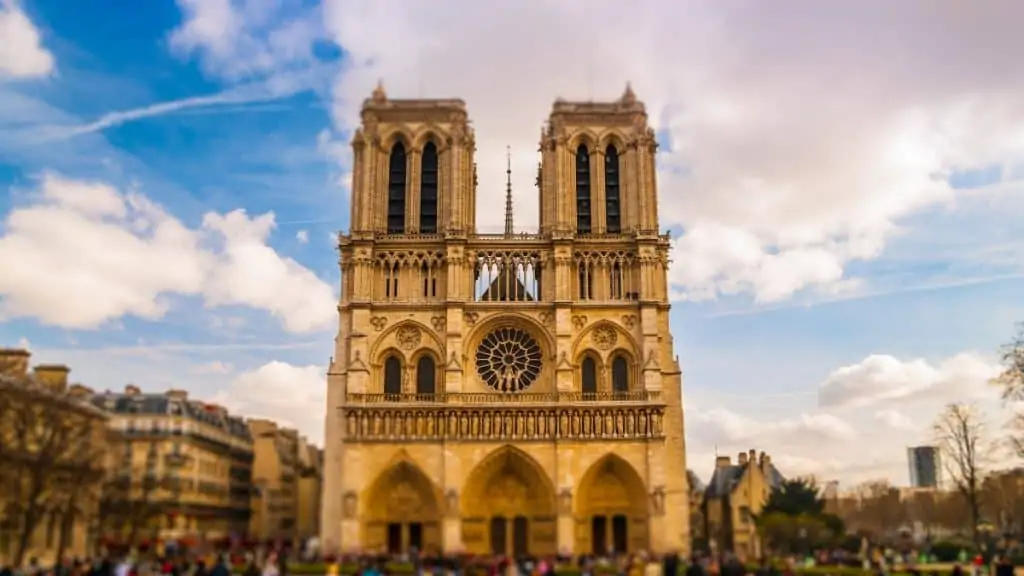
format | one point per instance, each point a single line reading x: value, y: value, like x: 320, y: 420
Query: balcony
x: 491, y: 398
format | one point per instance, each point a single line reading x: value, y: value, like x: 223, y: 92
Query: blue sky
x: 884, y: 239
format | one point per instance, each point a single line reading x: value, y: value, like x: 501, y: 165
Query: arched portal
x: 401, y: 511
x: 611, y: 508
x: 508, y: 506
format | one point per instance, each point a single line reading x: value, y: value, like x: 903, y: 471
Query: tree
x: 795, y: 497
x: 960, y: 435
x: 882, y: 512
x: 1011, y: 379
x: 128, y: 497
x: 794, y: 517
x: 1003, y: 500
x: 50, y: 440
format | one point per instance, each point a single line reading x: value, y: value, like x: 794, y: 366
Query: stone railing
x: 410, y: 423
x: 487, y: 398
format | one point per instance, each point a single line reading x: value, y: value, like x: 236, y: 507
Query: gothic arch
x: 438, y: 371
x: 397, y: 134
x: 586, y: 137
x: 612, y: 506
x: 508, y: 486
x: 613, y: 138
x: 388, y: 340
x: 430, y: 133
x: 582, y: 369
x: 625, y: 341
x: 401, y: 499
x: 516, y: 319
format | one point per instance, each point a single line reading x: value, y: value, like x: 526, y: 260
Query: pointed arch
x: 428, y: 188
x: 621, y: 381
x: 583, y: 204
x: 426, y: 374
x: 392, y: 374
x: 588, y: 375
x: 612, y: 192
x: 401, y: 509
x: 508, y: 505
x: 397, y: 174
x: 612, y: 497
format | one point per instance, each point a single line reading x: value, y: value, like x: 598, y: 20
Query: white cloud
x: 22, y: 54
x: 293, y: 396
x: 83, y: 253
x: 247, y: 38
x: 881, y: 378
x: 302, y: 236
x: 868, y: 414
x: 792, y: 146
x: 214, y: 367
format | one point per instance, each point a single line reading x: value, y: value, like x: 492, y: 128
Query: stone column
x: 566, y: 524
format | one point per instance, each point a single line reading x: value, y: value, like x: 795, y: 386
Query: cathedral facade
x: 504, y: 393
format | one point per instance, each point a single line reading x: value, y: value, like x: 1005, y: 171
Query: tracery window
x: 428, y: 190
x: 426, y: 373
x: 582, y: 190
x: 613, y: 208
x: 620, y: 375
x: 396, y: 189
x: 392, y: 375
x: 508, y: 359
x: 588, y: 376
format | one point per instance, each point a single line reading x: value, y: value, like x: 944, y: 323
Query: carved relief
x: 565, y: 501
x: 605, y: 337
x: 579, y: 321
x: 629, y: 321
x: 349, y: 504
x: 409, y: 337
x: 546, y: 317
x: 378, y: 322
x: 658, y: 501
x: 451, y: 500
x: 438, y: 322
x: 470, y: 318
x: 373, y: 424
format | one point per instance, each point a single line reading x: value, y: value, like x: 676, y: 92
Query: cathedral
x: 511, y: 393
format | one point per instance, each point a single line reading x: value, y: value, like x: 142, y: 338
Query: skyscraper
x: 925, y: 470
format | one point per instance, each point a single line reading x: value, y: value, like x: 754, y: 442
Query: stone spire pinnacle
x: 508, y: 191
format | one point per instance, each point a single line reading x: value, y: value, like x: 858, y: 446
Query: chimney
x: 753, y: 456
x: 722, y: 462
x: 766, y: 462
x: 14, y: 362
x: 176, y: 394
x: 53, y: 376
x: 132, y: 390
x: 741, y: 459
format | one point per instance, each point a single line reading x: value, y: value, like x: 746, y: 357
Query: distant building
x: 925, y: 467
x: 734, y: 496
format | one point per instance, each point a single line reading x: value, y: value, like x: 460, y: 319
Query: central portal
x: 508, y: 507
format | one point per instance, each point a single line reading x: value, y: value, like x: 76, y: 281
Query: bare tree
x: 129, y: 496
x: 1011, y: 379
x: 960, y: 435
x: 50, y: 440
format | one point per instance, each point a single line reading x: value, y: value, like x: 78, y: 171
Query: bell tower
x: 597, y: 168
x: 413, y: 167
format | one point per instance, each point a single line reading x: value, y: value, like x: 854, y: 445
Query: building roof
x: 171, y: 404
x: 725, y: 478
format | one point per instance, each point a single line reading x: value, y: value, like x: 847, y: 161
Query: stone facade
x: 735, y: 495
x: 512, y: 392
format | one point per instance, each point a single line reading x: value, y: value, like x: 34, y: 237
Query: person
x: 270, y: 565
x: 696, y: 567
x: 1004, y: 566
x: 220, y: 568
x: 767, y: 568
x: 670, y: 564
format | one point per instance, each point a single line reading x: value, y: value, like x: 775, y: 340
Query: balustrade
x: 478, y: 398
x: 431, y: 424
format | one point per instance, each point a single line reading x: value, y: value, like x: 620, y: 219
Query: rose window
x: 508, y: 360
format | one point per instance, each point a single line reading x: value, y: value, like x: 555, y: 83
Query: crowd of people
x: 275, y: 564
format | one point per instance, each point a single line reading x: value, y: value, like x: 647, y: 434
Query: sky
x: 843, y: 183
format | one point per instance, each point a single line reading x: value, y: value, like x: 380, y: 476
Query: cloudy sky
x: 843, y: 180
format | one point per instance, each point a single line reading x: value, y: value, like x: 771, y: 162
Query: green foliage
x: 794, y: 498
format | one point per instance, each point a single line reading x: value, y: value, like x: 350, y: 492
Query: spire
x: 508, y: 191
